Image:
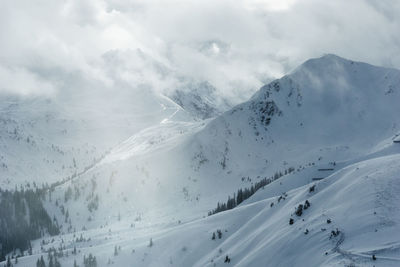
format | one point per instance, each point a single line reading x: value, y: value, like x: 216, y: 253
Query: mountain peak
x: 324, y: 61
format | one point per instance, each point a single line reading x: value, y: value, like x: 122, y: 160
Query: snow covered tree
x: 307, y: 204
x: 299, y: 210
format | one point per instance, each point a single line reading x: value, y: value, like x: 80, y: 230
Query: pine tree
x: 8, y: 264
x: 51, y: 261
x: 42, y: 263
x: 299, y: 210
x: 56, y: 263
x: 219, y: 232
x: 227, y: 259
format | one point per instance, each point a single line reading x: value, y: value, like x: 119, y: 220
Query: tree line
x: 243, y: 194
x: 23, y: 218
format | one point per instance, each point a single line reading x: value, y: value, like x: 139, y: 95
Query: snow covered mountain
x: 201, y: 99
x: 324, y: 137
x: 327, y: 109
x: 45, y: 140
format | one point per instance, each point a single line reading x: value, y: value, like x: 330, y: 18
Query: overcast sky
x: 52, y: 45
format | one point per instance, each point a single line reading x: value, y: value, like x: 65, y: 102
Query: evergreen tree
x: 8, y: 263
x: 219, y: 232
x: 42, y: 263
x: 90, y: 261
x: 51, y: 262
x: 56, y: 262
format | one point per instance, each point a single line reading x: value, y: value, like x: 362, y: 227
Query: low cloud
x: 23, y: 82
x: 235, y: 45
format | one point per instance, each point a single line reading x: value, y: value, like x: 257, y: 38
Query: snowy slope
x: 361, y: 202
x: 47, y: 140
x: 159, y: 180
x: 327, y: 109
x: 181, y: 169
x: 200, y: 99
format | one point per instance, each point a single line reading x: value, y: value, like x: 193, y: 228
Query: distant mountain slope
x: 201, y: 99
x: 333, y: 121
x: 47, y: 140
x: 301, y: 120
x: 327, y: 108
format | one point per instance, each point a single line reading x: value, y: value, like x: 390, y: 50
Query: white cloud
x: 236, y: 45
x: 23, y: 82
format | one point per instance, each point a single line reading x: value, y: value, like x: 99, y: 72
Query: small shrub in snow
x: 227, y: 259
x: 334, y: 233
x: 311, y: 189
x: 307, y: 204
x: 291, y: 221
x: 299, y: 210
x: 219, y: 232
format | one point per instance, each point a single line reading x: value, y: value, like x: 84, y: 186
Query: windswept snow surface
x: 151, y: 139
x: 361, y: 201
